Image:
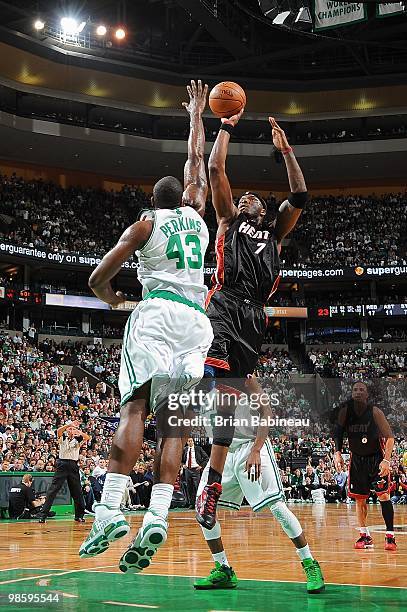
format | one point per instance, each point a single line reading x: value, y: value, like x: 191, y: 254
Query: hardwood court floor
x: 43, y: 559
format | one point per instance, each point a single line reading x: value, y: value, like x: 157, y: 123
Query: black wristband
x: 227, y: 127
x: 298, y: 200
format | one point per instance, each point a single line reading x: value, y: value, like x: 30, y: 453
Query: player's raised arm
x: 131, y: 240
x: 291, y: 209
x: 195, y: 181
x: 222, y: 197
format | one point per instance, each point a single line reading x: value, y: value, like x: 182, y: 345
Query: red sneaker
x: 390, y: 543
x: 206, y: 503
x: 364, y: 541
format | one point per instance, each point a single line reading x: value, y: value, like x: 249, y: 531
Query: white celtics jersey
x: 173, y: 257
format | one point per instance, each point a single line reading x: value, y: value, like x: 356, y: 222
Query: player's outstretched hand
x: 234, y: 119
x: 197, y: 97
x: 279, y: 138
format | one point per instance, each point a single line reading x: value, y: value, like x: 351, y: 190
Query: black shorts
x: 364, y: 476
x: 239, y: 327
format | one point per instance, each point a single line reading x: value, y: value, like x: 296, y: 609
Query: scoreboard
x: 359, y: 310
x: 23, y: 295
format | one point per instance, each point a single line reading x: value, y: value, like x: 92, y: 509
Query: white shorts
x: 236, y: 485
x: 165, y: 342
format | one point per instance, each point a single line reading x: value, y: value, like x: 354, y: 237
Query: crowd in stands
x: 353, y: 230
x: 274, y: 363
x: 335, y: 231
x: 317, y: 479
x: 358, y: 363
x: 42, y: 214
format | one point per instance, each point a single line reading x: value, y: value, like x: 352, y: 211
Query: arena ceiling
x: 183, y: 37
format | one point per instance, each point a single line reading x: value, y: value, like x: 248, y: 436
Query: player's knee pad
x: 288, y: 521
x: 212, y: 534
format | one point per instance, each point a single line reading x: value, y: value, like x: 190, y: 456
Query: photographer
x: 22, y: 501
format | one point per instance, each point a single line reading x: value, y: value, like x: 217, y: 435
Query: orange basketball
x: 227, y: 99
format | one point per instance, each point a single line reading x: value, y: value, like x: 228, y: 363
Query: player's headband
x: 256, y: 195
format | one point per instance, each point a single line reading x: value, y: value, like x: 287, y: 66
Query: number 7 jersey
x: 173, y: 257
x: 247, y: 260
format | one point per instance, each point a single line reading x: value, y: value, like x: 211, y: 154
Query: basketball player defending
x: 171, y: 251
x: 247, y: 274
x: 257, y: 480
x: 371, y: 443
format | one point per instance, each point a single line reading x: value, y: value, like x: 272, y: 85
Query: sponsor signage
x: 80, y: 260
x: 286, y: 312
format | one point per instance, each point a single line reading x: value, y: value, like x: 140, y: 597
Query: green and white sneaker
x: 315, y: 579
x: 103, y: 532
x: 221, y: 577
x: 144, y: 546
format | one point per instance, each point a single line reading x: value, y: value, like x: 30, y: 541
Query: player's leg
x: 292, y: 528
x: 153, y: 531
x: 269, y: 491
x: 359, y: 485
x: 109, y: 523
x: 222, y: 575
x: 388, y: 517
x: 365, y: 540
x: 381, y: 486
x: 242, y: 354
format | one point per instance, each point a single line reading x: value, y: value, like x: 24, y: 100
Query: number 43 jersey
x: 248, y: 263
x: 173, y: 257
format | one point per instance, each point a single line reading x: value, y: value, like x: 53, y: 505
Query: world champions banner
x: 330, y: 14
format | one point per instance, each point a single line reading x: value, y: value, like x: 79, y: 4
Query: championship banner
x: 328, y: 14
x: 388, y: 9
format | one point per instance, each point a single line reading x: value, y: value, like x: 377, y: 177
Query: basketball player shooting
x: 247, y: 274
x: 171, y: 251
x: 371, y: 443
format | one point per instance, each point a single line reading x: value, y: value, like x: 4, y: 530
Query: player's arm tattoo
x: 131, y: 240
x: 222, y: 197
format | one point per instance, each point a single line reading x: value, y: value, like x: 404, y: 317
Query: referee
x: 70, y: 439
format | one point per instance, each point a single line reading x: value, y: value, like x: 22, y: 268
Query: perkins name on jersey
x: 182, y: 224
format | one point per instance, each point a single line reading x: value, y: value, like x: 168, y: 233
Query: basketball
x: 227, y: 99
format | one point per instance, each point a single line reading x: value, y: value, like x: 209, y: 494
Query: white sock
x: 113, y: 489
x: 364, y: 530
x: 389, y: 533
x: 221, y: 558
x: 161, y: 496
x: 304, y: 553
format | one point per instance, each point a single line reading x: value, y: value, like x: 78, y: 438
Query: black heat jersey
x: 247, y: 274
x: 364, y: 435
x: 247, y: 260
x: 367, y: 430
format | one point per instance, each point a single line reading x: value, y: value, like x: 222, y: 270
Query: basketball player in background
x: 260, y: 483
x: 371, y: 444
x: 247, y: 274
x: 156, y: 349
